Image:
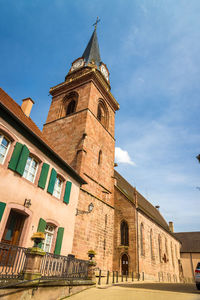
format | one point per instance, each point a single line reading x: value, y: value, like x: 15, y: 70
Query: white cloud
x: 122, y: 156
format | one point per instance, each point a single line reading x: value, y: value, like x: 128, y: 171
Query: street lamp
x: 81, y: 212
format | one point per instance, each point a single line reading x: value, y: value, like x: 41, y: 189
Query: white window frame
x: 57, y: 191
x: 47, y: 233
x: 2, y: 136
x: 29, y: 168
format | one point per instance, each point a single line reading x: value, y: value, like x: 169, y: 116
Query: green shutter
x: 15, y: 156
x: 2, y: 208
x: 67, y: 192
x: 59, y: 240
x: 43, y: 175
x: 22, y: 160
x: 41, y: 225
x: 52, y: 181
x: 41, y: 228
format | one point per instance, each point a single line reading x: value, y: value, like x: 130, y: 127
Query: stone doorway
x: 124, y: 263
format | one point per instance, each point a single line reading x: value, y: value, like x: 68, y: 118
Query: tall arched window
x: 142, y: 244
x: 124, y: 233
x: 160, y: 248
x: 69, y: 104
x: 71, y: 107
x: 151, y: 245
x: 102, y: 113
x: 172, y: 255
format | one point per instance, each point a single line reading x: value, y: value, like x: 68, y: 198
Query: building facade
x: 38, y: 190
x: 125, y: 230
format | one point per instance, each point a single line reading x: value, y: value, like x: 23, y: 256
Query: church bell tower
x: 80, y: 126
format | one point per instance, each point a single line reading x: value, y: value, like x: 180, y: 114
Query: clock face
x: 104, y: 71
x: 77, y: 64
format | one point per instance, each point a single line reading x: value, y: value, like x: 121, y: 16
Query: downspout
x: 192, y: 267
x: 137, y: 238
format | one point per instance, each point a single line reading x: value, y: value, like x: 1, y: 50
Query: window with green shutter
x: 15, y: 156
x: 67, y: 192
x: 59, y: 240
x: 41, y: 228
x: 22, y: 160
x: 2, y: 208
x: 19, y: 158
x: 43, y: 175
x: 52, y: 181
x: 41, y: 225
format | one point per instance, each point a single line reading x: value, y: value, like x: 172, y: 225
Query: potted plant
x: 91, y: 254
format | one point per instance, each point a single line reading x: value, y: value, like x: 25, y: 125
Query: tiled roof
x: 7, y: 102
x: 143, y: 204
x: 190, y: 241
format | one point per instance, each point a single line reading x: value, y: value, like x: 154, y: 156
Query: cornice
x: 83, y: 76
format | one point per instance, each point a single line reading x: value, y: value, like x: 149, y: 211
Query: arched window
x: 69, y: 104
x: 49, y: 236
x: 31, y: 168
x: 172, y: 255
x: 151, y: 245
x: 124, y: 233
x: 160, y: 248
x: 100, y: 157
x: 4, y: 146
x: 71, y: 107
x: 142, y: 244
x: 102, y: 113
x: 166, y: 247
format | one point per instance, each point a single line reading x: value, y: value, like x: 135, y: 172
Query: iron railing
x: 57, y: 266
x: 12, y: 261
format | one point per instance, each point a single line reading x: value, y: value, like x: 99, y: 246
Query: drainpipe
x: 137, y: 238
x: 192, y: 267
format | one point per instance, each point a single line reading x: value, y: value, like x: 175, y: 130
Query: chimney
x: 171, y: 226
x: 26, y: 106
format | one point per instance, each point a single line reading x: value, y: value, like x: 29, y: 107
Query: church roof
x: 10, y: 106
x: 190, y: 241
x: 143, y: 204
x: 92, y: 52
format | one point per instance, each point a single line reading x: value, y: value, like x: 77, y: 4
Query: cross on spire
x: 95, y: 24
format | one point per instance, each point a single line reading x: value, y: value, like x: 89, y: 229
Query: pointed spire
x: 92, y: 52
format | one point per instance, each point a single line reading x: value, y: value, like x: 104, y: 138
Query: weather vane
x: 95, y: 24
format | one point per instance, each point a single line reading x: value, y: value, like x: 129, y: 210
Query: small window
x: 4, y: 146
x: 71, y: 107
x: 49, y: 234
x: 100, y: 157
x: 30, y: 170
x: 58, y: 187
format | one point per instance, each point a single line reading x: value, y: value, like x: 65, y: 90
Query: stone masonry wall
x: 154, y: 266
x: 124, y: 210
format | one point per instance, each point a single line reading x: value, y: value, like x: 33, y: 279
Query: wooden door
x: 124, y: 264
x: 13, y: 228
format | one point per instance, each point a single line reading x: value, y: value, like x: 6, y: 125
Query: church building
x: 127, y: 233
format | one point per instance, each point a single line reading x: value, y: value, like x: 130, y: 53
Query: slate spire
x: 92, y: 52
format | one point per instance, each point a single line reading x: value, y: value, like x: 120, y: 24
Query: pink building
x: 38, y: 190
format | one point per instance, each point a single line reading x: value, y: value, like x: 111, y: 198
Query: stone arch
x: 69, y: 104
x: 102, y: 113
x: 124, y: 259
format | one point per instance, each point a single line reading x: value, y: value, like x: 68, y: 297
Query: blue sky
x: 152, y: 51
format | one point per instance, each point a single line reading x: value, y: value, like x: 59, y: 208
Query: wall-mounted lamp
x: 81, y: 212
x: 27, y: 203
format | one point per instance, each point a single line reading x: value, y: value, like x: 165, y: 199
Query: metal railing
x: 12, y: 261
x: 57, y: 266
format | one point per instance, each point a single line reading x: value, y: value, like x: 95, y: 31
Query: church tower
x: 80, y: 126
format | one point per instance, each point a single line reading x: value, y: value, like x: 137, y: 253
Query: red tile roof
x: 18, y: 113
